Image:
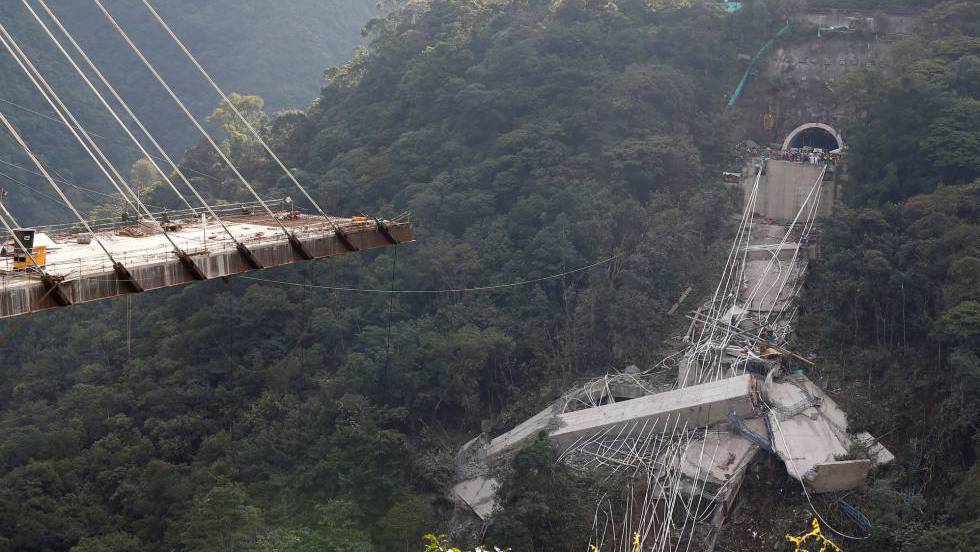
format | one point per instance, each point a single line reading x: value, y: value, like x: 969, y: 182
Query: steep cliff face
x: 793, y: 82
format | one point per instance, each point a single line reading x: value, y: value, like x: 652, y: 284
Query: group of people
x: 806, y: 154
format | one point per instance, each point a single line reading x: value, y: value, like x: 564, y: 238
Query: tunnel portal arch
x: 817, y: 135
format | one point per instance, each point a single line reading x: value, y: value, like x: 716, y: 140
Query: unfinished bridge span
x: 57, y: 266
x: 75, y: 270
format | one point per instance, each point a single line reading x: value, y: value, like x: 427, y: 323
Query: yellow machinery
x: 22, y: 261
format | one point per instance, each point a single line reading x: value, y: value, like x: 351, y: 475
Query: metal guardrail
x: 108, y: 224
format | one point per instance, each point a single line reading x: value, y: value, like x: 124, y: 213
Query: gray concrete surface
x: 694, y: 406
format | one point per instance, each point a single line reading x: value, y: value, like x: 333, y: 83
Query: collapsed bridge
x: 685, y: 431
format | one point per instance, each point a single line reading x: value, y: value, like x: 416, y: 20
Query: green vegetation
x: 895, y: 304
x: 525, y: 139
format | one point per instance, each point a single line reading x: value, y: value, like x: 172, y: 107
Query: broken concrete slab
x: 877, y: 452
x: 690, y: 407
x: 503, y: 446
x: 717, y: 457
x: 803, y: 442
x: 479, y: 494
x: 843, y: 475
x: 810, y: 433
x: 770, y: 286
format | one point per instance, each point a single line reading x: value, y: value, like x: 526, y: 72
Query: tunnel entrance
x: 814, y: 135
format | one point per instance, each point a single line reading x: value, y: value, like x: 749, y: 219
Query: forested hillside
x: 895, y: 303
x: 524, y: 140
x: 275, y: 49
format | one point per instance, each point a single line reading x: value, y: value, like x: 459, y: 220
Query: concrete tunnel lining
x: 815, y: 134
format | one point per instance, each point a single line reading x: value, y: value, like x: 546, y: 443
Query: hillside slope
x: 525, y: 140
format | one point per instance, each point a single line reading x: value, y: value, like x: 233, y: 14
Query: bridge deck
x: 86, y: 273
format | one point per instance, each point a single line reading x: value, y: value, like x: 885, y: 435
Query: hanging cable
x: 94, y: 151
x: 28, y: 187
x: 54, y: 101
x: 40, y: 166
x: 391, y: 301
x: 449, y: 290
x: 237, y: 112
x: 289, y: 235
x: 105, y: 104
x: 242, y: 249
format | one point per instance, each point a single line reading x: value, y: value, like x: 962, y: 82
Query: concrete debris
x: 877, y: 452
x: 739, y: 387
x: 833, y: 477
x: 718, y: 456
x: 503, y: 447
x: 479, y: 494
x: 690, y: 407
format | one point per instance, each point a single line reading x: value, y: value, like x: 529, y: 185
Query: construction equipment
x: 26, y: 255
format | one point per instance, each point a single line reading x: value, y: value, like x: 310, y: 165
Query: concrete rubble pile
x: 739, y: 389
x: 757, y: 397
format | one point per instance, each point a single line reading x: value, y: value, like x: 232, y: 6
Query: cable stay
x: 57, y: 105
x: 119, y: 269
x: 97, y: 136
x: 246, y: 122
x: 185, y: 259
x: 8, y: 213
x: 81, y: 189
x: 242, y: 249
x: 94, y: 151
x: 103, y: 101
x: 293, y: 240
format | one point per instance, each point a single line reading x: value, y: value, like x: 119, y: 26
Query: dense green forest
x: 524, y: 139
x: 895, y: 303
x: 275, y: 49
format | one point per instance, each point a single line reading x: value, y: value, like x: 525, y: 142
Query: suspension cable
x: 105, y: 165
x: 105, y: 104
x: 54, y: 101
x: 47, y: 176
x: 190, y: 116
x: 237, y: 112
x: 180, y: 252
x: 139, y: 123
